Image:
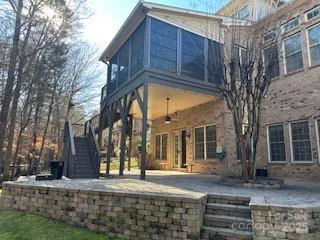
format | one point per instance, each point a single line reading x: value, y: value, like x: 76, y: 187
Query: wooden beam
x: 130, y: 141
x: 144, y: 111
x: 123, y: 104
x: 110, y: 116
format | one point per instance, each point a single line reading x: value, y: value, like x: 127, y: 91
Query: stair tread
x: 229, y: 232
x: 229, y: 197
x: 230, y: 206
x: 225, y: 217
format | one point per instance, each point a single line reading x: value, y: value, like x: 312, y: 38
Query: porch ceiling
x: 180, y: 99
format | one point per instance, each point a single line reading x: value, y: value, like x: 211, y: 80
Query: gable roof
x: 138, y: 14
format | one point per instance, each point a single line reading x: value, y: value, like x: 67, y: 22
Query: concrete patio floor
x: 295, y: 191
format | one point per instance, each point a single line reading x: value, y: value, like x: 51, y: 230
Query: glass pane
x: 137, y: 49
x: 164, y: 146
x: 192, y: 55
x: 123, y: 63
x: 199, y: 143
x: 315, y: 55
x: 211, y: 133
x: 271, y: 60
x: 277, y: 145
x: 301, y: 141
x: 158, y: 142
x: 215, y: 62
x: 163, y: 49
x: 244, y: 13
x: 292, y: 45
x: 211, y: 141
x: 112, y: 75
x: 294, y: 62
x: 314, y: 36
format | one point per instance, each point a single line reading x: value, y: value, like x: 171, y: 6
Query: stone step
x: 236, y: 223
x: 228, y: 209
x: 229, y: 199
x: 217, y: 233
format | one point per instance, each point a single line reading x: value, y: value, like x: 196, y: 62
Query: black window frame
x: 293, y: 141
x: 273, y: 140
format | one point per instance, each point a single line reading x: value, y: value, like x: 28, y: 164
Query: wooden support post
x: 144, y: 110
x: 123, y: 138
x: 110, y: 113
x: 130, y: 141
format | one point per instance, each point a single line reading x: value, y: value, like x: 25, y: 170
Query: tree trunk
x: 10, y: 82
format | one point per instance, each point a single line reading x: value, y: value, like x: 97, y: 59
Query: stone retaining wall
x: 282, y: 222
x: 124, y: 215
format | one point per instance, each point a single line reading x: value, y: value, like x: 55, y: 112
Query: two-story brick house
x: 160, y: 71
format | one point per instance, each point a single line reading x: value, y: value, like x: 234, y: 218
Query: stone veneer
x: 118, y: 214
x: 283, y: 222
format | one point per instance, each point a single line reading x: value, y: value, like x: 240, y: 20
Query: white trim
x: 291, y: 143
x: 308, y: 43
x: 204, y: 142
x: 155, y: 146
x: 285, y: 56
x: 311, y: 10
x: 292, y: 20
x: 318, y: 136
x: 268, y: 142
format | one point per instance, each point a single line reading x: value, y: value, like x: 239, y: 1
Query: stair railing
x: 69, y: 150
x: 94, y: 147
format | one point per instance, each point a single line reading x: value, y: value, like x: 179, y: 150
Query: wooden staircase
x: 227, y: 218
x: 81, y: 152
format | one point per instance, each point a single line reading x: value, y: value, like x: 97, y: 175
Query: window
x: 205, y: 142
x: 313, y: 13
x: 314, y: 45
x: 163, y: 49
x: 192, y: 55
x: 294, y: 23
x: 161, y: 146
x: 271, y: 61
x: 270, y: 35
x: 112, y: 75
x: 240, y: 56
x: 277, y: 151
x: 137, y: 49
x: 300, y: 142
x: 293, y: 53
x: 215, y: 62
x: 123, y: 63
x: 243, y: 13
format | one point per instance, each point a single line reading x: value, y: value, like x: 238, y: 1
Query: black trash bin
x: 56, y: 169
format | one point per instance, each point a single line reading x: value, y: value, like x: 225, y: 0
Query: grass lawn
x: 21, y: 226
x: 115, y: 165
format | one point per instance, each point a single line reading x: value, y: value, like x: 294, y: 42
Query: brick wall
x: 210, y: 113
x: 123, y: 215
x: 270, y: 221
x: 290, y: 98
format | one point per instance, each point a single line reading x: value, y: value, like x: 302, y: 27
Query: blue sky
x: 109, y: 15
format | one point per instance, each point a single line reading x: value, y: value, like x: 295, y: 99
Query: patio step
x: 215, y: 233
x: 229, y: 210
x: 227, y: 217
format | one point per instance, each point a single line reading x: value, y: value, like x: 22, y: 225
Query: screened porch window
x: 277, y: 151
x: 314, y: 45
x: 124, y: 63
x: 192, y: 55
x: 300, y: 141
x: 163, y: 49
x: 161, y: 147
x: 205, y: 142
x: 293, y: 53
x: 215, y: 62
x: 137, y: 49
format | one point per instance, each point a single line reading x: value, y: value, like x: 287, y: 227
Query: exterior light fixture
x: 167, y: 119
